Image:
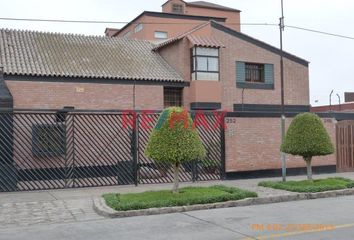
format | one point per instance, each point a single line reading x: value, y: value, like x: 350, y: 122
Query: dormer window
x: 177, y: 8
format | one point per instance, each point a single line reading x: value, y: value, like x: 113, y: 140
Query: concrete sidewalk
x: 68, y: 205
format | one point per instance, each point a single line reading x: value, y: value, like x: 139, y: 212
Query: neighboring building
x: 177, y: 17
x: 347, y: 106
x: 349, y: 97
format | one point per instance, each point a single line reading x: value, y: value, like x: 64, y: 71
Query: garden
x: 176, y: 142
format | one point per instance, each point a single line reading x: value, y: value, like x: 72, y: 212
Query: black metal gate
x: 71, y: 149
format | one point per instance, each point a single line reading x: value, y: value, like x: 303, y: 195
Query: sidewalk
x: 70, y: 205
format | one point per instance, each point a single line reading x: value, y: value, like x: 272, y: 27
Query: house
x: 208, y: 64
x: 177, y: 17
x: 52, y: 71
x: 347, y: 106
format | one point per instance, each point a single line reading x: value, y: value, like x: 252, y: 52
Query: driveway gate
x: 71, y: 149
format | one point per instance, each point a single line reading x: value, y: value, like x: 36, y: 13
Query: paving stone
x: 31, y: 213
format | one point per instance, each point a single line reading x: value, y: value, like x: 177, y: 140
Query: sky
x: 331, y: 58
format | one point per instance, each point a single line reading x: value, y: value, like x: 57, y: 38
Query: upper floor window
x: 160, y: 35
x: 177, y: 8
x: 138, y: 27
x: 172, y: 97
x: 205, y: 63
x: 254, y: 75
x: 254, y: 72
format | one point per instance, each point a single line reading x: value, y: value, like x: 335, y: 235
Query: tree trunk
x: 309, y: 168
x: 175, y: 178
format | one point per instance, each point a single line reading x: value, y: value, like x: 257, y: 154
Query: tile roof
x: 179, y: 37
x: 203, y: 41
x: 211, y: 5
x: 70, y: 55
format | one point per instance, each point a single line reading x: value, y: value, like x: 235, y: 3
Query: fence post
x: 135, y: 149
x: 223, y: 149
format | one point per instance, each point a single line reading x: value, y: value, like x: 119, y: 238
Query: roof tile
x: 71, y: 55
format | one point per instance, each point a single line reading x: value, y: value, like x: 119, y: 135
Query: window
x: 160, y: 35
x: 177, y: 8
x: 254, y: 75
x: 48, y: 140
x: 254, y: 72
x: 138, y: 27
x: 172, y: 97
x: 127, y: 34
x: 205, y: 63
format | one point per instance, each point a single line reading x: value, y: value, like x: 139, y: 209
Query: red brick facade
x: 254, y: 144
x: 56, y: 95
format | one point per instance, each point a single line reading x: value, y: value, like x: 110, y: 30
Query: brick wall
x: 56, y: 95
x: 254, y: 143
x: 296, y: 76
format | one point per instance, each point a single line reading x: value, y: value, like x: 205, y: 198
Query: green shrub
x: 174, y: 140
x: 187, y: 196
x: 307, y: 137
x: 318, y: 185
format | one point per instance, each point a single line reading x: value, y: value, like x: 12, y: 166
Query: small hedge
x: 165, y: 198
x: 319, y: 185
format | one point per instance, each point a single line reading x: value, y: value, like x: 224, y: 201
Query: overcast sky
x: 331, y: 58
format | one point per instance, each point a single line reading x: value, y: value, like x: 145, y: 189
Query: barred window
x: 48, y: 140
x: 173, y: 97
x: 254, y: 72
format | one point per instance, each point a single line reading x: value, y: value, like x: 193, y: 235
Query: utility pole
x: 281, y: 29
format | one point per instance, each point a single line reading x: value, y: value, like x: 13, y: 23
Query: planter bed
x: 165, y: 198
x: 318, y: 185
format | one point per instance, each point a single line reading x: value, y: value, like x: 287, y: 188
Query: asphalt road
x: 330, y: 218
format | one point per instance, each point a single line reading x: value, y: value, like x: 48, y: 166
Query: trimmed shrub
x: 174, y: 140
x: 307, y: 137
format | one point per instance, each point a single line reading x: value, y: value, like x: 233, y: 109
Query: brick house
x: 347, y: 106
x: 177, y: 17
x: 207, y: 64
x: 51, y: 71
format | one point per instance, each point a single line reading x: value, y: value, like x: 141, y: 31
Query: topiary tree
x: 174, y: 140
x: 307, y: 137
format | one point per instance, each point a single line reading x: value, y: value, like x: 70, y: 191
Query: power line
x: 115, y: 22
x: 171, y: 23
x: 321, y: 32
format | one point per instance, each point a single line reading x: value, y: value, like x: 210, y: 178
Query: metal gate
x: 210, y: 168
x: 67, y: 149
x: 345, y: 145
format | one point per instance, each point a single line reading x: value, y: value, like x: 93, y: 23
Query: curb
x: 100, y: 207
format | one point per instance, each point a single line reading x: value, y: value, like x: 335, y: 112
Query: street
x: 252, y: 222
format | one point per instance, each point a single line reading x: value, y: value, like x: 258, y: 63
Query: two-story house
x: 192, y: 54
